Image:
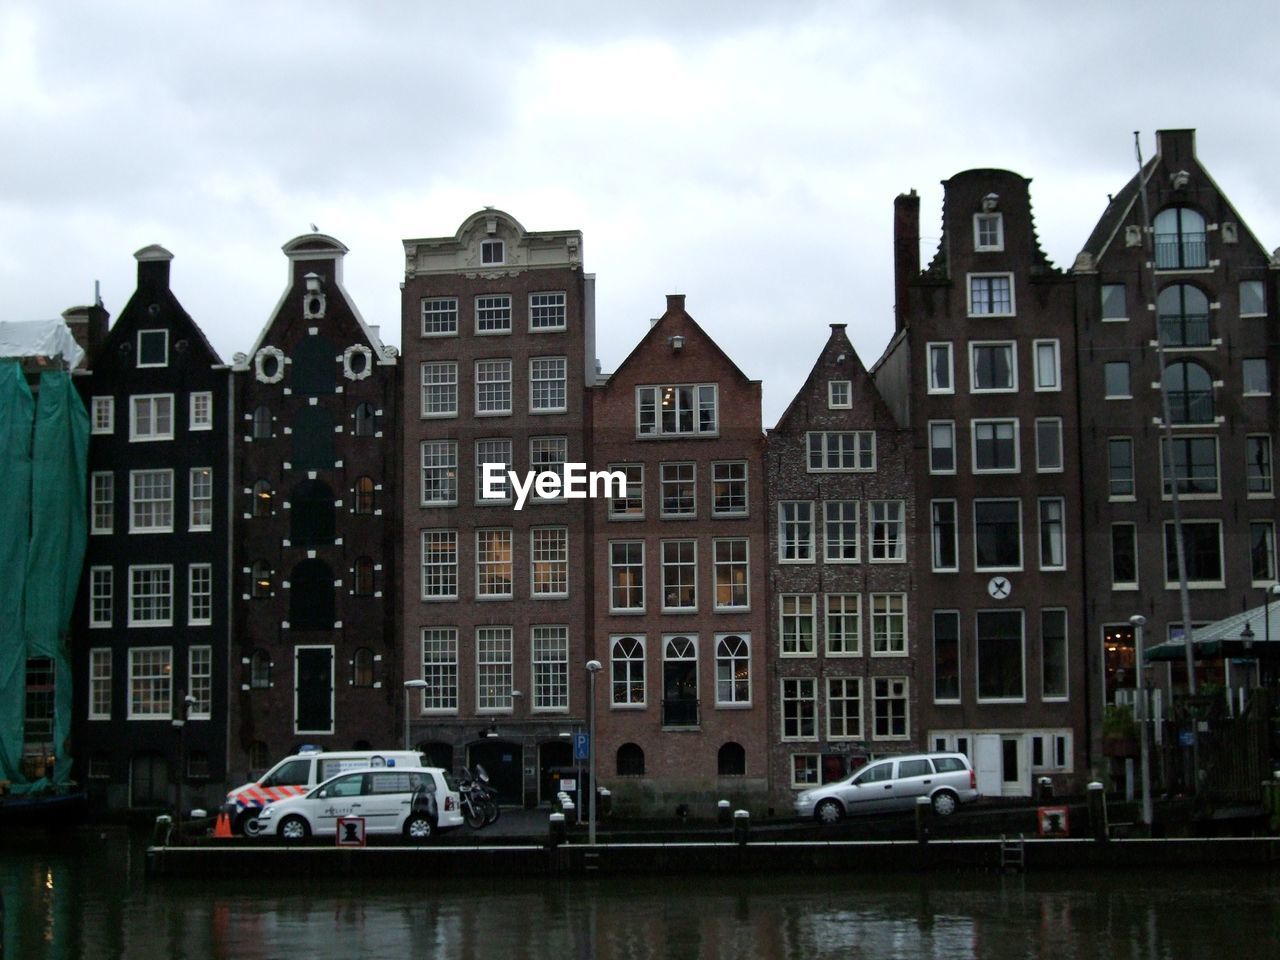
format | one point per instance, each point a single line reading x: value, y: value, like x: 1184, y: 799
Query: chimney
x: 675, y: 302
x: 1176, y: 146
x: 906, y: 252
x: 153, y: 267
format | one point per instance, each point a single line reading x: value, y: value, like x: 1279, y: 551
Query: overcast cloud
x: 745, y: 154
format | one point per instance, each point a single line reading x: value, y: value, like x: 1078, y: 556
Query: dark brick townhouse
x: 149, y: 635
x: 982, y: 369
x: 316, y: 657
x: 680, y: 601
x: 1190, y: 303
x: 844, y: 619
x: 497, y: 328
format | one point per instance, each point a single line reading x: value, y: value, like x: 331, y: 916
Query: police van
x: 295, y: 775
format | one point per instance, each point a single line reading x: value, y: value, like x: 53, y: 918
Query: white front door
x: 988, y: 764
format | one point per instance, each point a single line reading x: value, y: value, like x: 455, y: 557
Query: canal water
x: 87, y: 897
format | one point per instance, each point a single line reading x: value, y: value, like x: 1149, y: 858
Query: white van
x: 295, y: 775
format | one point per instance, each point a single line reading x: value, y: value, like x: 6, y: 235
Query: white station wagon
x: 893, y: 783
x: 414, y: 802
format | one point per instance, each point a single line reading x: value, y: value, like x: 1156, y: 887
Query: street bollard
x: 605, y: 800
x: 1045, y: 786
x: 741, y: 826
x: 923, y: 805
x: 1098, y: 812
x: 570, y: 811
x: 557, y: 829
x: 723, y: 815
x: 162, y: 830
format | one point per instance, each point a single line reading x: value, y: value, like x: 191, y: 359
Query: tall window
x: 626, y: 575
x: 733, y: 670
x: 200, y: 682
x: 362, y: 667
x: 946, y: 656
x: 150, y: 683
x: 988, y: 232
x: 440, y: 389
x: 1258, y: 478
x: 200, y: 411
x: 1048, y: 444
x: 942, y: 446
x: 1115, y: 380
x: 101, y: 596
x: 993, y: 367
x: 102, y: 493
x: 439, y: 316
x: 263, y: 427
x: 550, y: 668
x: 493, y: 668
x: 364, y: 495
x: 547, y: 385
x: 941, y: 378
x: 844, y: 708
x: 366, y: 419
x: 888, y: 531
x: 260, y: 579
x: 151, y: 596
x: 991, y: 295
x: 799, y: 708
x: 995, y: 446
x: 795, y: 532
x: 1183, y: 315
x: 493, y: 563
x: 888, y: 624
x: 1262, y: 552
x: 100, y: 683
x: 844, y: 624
x: 201, y: 505
x: 493, y: 313
x: 832, y: 451
x: 362, y: 572
x: 627, y: 671
x: 260, y: 673
x: 728, y: 489
x: 262, y: 497
x: 1202, y: 552
x: 1052, y: 534
x: 150, y: 501
x: 1000, y: 655
x: 997, y: 534
x: 546, y: 311
x: 679, y: 574
x: 102, y: 415
x: 1190, y: 390
x: 493, y: 387
x: 549, y: 561
x: 439, y: 564
x: 631, y: 506
x: 1180, y: 239
x: 679, y: 489
x: 440, y: 669
x: 1114, y: 306
x: 944, y: 528
x: 1053, y: 654
x: 890, y: 708
x: 732, y: 574
x: 1048, y: 365
x: 840, y: 531
x: 1195, y: 465
x: 1120, y: 468
x: 797, y: 626
x: 496, y: 451
x: 199, y: 594
x: 439, y: 472
x: 151, y: 417
x: 548, y: 455
x: 1253, y: 372
x: 677, y: 410
x: 1124, y: 556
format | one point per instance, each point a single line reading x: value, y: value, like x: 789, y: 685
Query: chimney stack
x: 906, y: 252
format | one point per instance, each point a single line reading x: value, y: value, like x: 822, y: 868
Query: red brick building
x: 679, y: 587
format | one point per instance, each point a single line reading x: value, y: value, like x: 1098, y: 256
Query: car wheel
x: 945, y: 803
x: 418, y: 827
x: 829, y: 811
x: 247, y: 824
x: 294, y: 828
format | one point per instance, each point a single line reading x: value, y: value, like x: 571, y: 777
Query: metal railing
x: 1186, y: 330
x: 1181, y: 251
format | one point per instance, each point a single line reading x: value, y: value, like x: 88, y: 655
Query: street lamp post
x: 409, y: 687
x: 1139, y: 621
x: 1266, y: 677
x: 179, y: 723
x: 593, y: 667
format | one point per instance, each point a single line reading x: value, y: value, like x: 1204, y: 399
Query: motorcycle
x: 479, y: 800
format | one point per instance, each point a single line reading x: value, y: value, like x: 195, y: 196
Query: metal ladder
x: 1013, y: 854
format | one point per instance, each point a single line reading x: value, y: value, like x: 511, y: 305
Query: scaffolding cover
x: 17, y: 412
x: 39, y: 338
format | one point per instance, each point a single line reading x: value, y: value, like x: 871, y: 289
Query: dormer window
x: 153, y: 348
x: 492, y: 251
x: 1180, y: 239
x: 988, y: 232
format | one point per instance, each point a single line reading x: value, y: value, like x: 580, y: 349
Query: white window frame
x: 998, y: 243
x: 161, y: 677
x: 634, y: 493
x: 492, y: 306
x: 149, y: 402
x: 1021, y: 546
x: 1117, y: 584
x: 438, y: 458
x: 734, y: 702
x: 892, y: 696
x: 493, y: 252
x: 438, y: 647
x: 200, y: 681
x: 439, y: 307
x: 103, y: 419
x: 552, y: 303
x: 202, y: 571
x: 195, y: 504
x: 1017, y: 443
x: 836, y: 389
x: 1193, y: 584
x: 627, y: 680
x: 102, y: 589
x: 1133, y: 472
x: 1058, y: 450
x: 488, y: 570
x: 847, y: 731
x: 149, y: 505
x: 969, y: 289
x: 680, y: 567
x: 945, y: 347
x: 1062, y: 532
x: 549, y: 454
x: 891, y: 549
x: 435, y: 370
x: 935, y: 542
x: 842, y: 606
x: 948, y: 429
x: 1102, y: 303
x: 200, y: 411
x: 507, y: 464
x: 730, y: 482
x: 1040, y: 385
x: 1065, y: 696
x: 629, y: 563
x: 794, y: 610
x: 798, y: 697
x: 138, y: 346
x: 559, y: 366
x: 882, y: 615
x: 134, y: 595
x: 673, y: 474
x: 495, y: 669
x: 654, y: 394
x: 1268, y: 473
x: 1244, y: 380
x: 831, y: 443
x: 840, y: 522
x: 730, y: 564
x: 493, y: 368
x: 446, y: 569
x: 549, y: 546
x: 804, y: 549
x: 1106, y: 387
x: 549, y: 668
x: 1269, y: 578
x: 100, y: 669
x: 1166, y: 482
x: 1011, y: 346
x: 977, y: 657
x: 102, y: 509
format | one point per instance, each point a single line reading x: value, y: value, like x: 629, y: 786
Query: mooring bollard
x: 1045, y: 786
x: 162, y: 831
x: 1098, y: 811
x: 923, y: 805
x: 723, y: 814
x: 556, y: 829
x: 741, y: 826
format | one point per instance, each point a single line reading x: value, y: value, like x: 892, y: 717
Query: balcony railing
x: 1181, y: 251
x: 1191, y: 406
x: 680, y: 713
x: 1187, y: 330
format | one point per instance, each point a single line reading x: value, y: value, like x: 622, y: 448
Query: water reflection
x: 88, y: 899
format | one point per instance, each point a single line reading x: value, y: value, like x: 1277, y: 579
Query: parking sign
x: 581, y: 746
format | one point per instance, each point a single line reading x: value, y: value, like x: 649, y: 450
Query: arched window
x: 262, y: 497
x: 262, y: 423
x: 311, y: 514
x: 362, y: 577
x: 1184, y: 316
x: 1190, y: 390
x: 628, y: 671
x: 733, y: 670
x: 362, y: 668
x: 731, y: 761
x: 259, y: 675
x: 1180, y: 243
x: 630, y: 760
x: 679, y: 683
x: 366, y: 420
x: 315, y: 367
x: 363, y: 495
x: 313, y: 439
x: 311, y: 596
x: 260, y: 579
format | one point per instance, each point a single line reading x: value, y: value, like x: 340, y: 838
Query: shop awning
x: 1215, y: 641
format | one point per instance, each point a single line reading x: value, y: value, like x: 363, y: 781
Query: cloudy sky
x: 743, y: 153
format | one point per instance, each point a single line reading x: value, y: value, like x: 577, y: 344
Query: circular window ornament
x: 999, y: 588
x: 357, y: 362
x: 268, y: 365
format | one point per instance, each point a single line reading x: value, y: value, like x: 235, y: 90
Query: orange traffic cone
x: 222, y: 828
